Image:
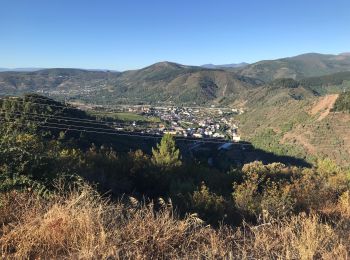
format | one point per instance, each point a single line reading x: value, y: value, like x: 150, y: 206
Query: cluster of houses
x: 198, y: 122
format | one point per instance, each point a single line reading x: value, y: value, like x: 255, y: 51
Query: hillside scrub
x: 256, y: 191
x: 61, y: 200
x: 79, y: 223
x: 343, y: 102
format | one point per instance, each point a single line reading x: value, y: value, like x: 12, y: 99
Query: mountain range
x: 172, y: 82
x: 287, y: 102
x: 20, y: 69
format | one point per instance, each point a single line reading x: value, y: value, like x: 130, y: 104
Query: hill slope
x: 305, y: 65
x: 342, y: 104
x: 295, y: 122
x: 178, y: 83
x: 49, y: 80
x: 162, y: 81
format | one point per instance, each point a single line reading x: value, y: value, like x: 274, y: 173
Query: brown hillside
x: 323, y: 106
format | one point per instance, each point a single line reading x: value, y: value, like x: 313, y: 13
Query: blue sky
x: 131, y: 34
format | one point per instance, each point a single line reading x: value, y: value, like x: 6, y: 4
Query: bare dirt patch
x: 323, y: 106
x: 299, y: 138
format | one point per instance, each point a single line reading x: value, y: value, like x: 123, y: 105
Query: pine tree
x: 166, y: 154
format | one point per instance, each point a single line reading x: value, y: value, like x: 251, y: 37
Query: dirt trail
x: 323, y: 106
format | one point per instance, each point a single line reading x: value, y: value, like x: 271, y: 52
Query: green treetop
x: 166, y: 154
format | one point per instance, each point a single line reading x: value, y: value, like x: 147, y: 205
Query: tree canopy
x: 166, y: 154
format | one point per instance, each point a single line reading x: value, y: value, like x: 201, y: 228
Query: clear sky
x: 131, y: 34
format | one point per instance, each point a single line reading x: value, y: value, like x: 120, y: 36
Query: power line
x: 65, y: 118
x: 24, y: 100
x: 144, y: 136
x: 140, y: 135
x: 65, y: 107
x: 94, y: 128
x: 72, y: 120
x: 105, y: 112
x: 120, y: 124
x: 62, y: 124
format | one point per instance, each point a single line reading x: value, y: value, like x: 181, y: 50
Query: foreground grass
x: 79, y: 224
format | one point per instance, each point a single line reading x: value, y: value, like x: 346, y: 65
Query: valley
x: 156, y: 130
x: 284, y: 113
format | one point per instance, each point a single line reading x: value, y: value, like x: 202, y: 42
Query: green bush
x: 208, y: 204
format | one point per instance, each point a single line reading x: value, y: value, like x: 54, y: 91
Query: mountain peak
x: 167, y: 64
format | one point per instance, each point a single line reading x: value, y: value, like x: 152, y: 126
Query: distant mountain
x: 225, y: 66
x: 298, y: 67
x: 163, y: 81
x: 58, y: 80
x: 172, y: 82
x: 20, y: 69
x: 36, y: 69
x: 166, y: 81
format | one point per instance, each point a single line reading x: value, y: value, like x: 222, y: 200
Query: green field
x: 126, y: 116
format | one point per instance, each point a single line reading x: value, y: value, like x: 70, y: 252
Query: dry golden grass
x: 300, y: 237
x: 82, y: 225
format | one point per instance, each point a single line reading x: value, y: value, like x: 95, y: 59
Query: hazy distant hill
x: 20, y: 69
x: 225, y: 66
x: 302, y: 66
x: 52, y: 80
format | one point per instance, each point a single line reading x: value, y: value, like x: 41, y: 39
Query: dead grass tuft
x: 82, y: 225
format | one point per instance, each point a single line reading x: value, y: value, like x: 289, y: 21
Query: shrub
x: 246, y: 195
x: 208, y: 205
x: 313, y: 188
x: 276, y: 201
x: 273, y: 200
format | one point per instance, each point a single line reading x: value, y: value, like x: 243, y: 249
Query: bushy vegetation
x: 343, y: 102
x: 157, y: 205
x: 319, y: 85
x: 285, y: 83
x: 80, y: 224
x: 269, y: 140
x: 327, y: 80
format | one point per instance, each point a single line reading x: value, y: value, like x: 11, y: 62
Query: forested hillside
x: 298, y: 67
